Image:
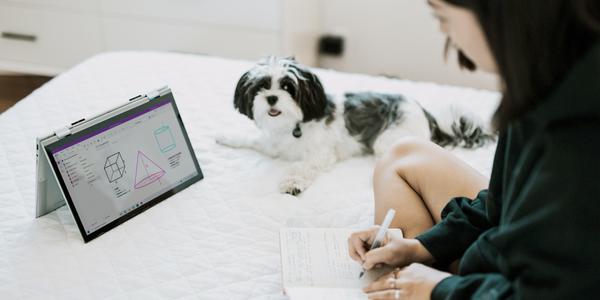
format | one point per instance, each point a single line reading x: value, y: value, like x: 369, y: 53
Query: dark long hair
x: 535, y: 43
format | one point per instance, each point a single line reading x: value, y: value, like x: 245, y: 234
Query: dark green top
x: 535, y: 234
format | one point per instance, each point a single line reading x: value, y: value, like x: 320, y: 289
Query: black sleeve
x: 548, y: 244
x: 463, y: 220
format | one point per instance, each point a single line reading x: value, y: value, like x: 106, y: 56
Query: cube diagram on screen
x: 114, y: 167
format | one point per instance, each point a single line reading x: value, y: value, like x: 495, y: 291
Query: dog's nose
x: 272, y: 100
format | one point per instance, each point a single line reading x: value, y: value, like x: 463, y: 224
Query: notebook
x: 316, y: 265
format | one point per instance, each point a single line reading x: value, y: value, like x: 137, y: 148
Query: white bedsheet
x: 218, y: 239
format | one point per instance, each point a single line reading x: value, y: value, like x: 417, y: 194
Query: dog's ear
x: 311, y: 96
x: 243, y: 100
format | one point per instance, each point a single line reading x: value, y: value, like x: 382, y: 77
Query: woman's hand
x: 395, y: 251
x: 413, y: 282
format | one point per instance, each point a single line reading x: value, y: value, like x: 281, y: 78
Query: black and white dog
x: 300, y: 123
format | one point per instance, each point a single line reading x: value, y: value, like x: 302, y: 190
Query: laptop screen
x: 116, y: 168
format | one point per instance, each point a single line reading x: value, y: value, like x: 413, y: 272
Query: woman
x: 535, y: 232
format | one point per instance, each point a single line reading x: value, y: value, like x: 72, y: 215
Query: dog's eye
x: 288, y: 87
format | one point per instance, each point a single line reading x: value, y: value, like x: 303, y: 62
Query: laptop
x: 111, y: 167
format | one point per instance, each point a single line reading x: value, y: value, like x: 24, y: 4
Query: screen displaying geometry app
x: 119, y: 168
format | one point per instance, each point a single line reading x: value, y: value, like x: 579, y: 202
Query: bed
x: 217, y: 239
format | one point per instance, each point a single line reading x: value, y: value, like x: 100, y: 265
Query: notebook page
x: 313, y: 257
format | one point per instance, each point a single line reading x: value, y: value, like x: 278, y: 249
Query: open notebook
x: 316, y: 265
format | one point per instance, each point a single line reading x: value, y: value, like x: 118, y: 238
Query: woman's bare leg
x: 418, y: 178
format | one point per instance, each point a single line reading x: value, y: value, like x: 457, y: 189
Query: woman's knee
x: 400, y: 155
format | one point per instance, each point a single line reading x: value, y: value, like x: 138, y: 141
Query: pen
x: 381, y: 234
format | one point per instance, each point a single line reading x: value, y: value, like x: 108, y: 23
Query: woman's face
x: 465, y: 33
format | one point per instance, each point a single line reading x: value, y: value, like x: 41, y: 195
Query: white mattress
x: 217, y: 239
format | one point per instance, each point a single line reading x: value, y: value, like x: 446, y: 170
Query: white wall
x: 389, y: 37
x: 393, y: 37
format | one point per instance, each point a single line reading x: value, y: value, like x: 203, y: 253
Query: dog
x: 299, y: 122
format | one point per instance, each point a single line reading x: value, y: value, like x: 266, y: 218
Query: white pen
x: 381, y: 234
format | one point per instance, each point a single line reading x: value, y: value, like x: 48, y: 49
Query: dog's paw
x: 292, y: 185
x: 229, y: 141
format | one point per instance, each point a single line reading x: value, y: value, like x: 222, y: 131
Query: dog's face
x: 278, y: 93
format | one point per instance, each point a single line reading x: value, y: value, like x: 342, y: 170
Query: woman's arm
x: 550, y: 252
x: 549, y: 243
x: 463, y: 220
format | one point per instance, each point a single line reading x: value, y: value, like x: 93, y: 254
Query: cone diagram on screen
x: 146, y: 171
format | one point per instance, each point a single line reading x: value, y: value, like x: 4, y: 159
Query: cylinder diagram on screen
x: 164, y: 138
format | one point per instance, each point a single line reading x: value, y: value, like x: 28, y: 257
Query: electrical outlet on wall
x: 332, y: 45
